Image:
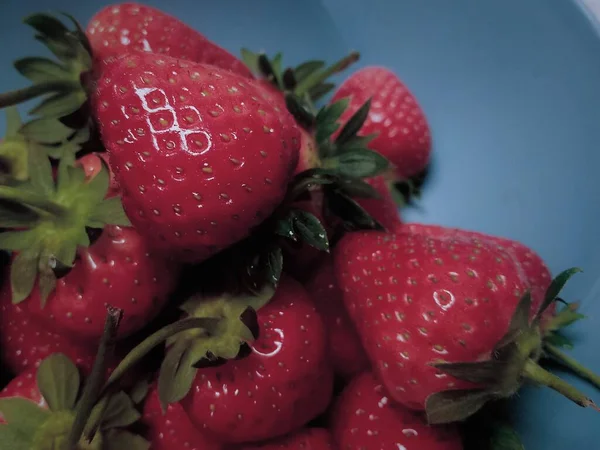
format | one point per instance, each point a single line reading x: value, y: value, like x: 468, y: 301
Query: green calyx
x: 514, y: 360
x: 235, y: 326
x: 48, y: 219
x: 34, y: 427
x: 58, y: 81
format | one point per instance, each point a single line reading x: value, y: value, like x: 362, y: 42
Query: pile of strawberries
x: 202, y: 254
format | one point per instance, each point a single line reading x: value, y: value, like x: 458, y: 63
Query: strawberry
x: 278, y: 383
x: 39, y: 407
x: 130, y: 27
x: 423, y: 309
x: 365, y: 417
x: 403, y: 134
x: 383, y: 209
x: 345, y: 349
x: 305, y: 439
x: 208, y: 160
x: 172, y: 429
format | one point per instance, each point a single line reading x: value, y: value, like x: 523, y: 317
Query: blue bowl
x: 512, y: 92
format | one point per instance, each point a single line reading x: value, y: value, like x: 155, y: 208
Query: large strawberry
x: 305, y: 439
x: 278, y: 383
x: 62, y: 278
x: 172, y: 428
x: 424, y: 307
x: 129, y: 27
x: 402, y: 132
x: 346, y: 351
x: 39, y: 408
x: 200, y: 156
x: 365, y: 417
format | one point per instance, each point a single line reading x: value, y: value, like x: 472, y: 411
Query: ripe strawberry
x: 38, y: 410
x: 534, y: 271
x: 416, y: 300
x: 172, y: 429
x: 383, y: 209
x: 345, y: 349
x: 365, y: 417
x: 305, y: 439
x: 127, y: 27
x: 402, y: 131
x: 200, y: 156
x: 283, y: 380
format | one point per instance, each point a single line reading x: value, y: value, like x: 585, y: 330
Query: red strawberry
x: 365, y: 417
x: 283, y: 383
x: 200, y: 156
x: 173, y: 430
x: 127, y: 27
x: 383, y: 209
x: 403, y: 132
x: 534, y: 270
x: 92, y: 164
x: 24, y: 386
x: 305, y: 439
x: 418, y: 300
x: 346, y: 352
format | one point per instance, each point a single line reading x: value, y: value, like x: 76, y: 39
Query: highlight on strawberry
x: 205, y: 252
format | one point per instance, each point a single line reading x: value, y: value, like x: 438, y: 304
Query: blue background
x: 512, y: 92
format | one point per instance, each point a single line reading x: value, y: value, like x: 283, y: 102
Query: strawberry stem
x: 572, y: 364
x: 157, y: 338
x: 533, y: 372
x: 31, y: 199
x: 318, y: 77
x: 94, y: 382
x: 22, y: 95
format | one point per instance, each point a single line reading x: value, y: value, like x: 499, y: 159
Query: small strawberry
x: 208, y: 160
x: 305, y: 439
x: 172, y: 429
x: 403, y: 134
x: 423, y: 307
x: 39, y: 408
x: 128, y: 27
x: 345, y: 349
x: 278, y: 383
x: 365, y: 417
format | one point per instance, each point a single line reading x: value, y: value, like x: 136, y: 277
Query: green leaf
x: 22, y: 414
x: 488, y: 373
x: 306, y: 180
x: 357, y: 188
x: 23, y: 274
x: 120, y: 412
x: 358, y: 163
x: 274, y: 262
x: 17, y: 218
x: 285, y: 227
x: 558, y: 340
x: 176, y: 373
x: 46, y: 25
x: 60, y: 104
x: 455, y: 405
x: 289, y: 79
x: 268, y: 69
x: 277, y: 70
x: 309, y: 229
x: 17, y: 240
x: 357, y: 143
x: 41, y: 69
x: 251, y: 60
x: 504, y: 437
x: 323, y: 134
x: 61, y: 48
x: 355, y: 123
x: 58, y: 381
x: 46, y: 284
x: 110, y: 211
x: 305, y: 69
x: 351, y: 213
x: 556, y: 286
x: 40, y: 170
x: 300, y: 112
x: 519, y: 322
x: 122, y: 439
x: 320, y: 90
x: 46, y: 131
x: 81, y: 36
x: 332, y: 113
x: 140, y: 391
x: 13, y: 123
x: 11, y: 438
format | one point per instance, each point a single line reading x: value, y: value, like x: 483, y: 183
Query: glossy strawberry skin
x: 403, y: 133
x: 365, y: 417
x: 129, y: 27
x: 284, y: 383
x: 347, y: 354
x: 200, y: 156
x: 305, y: 439
x: 172, y: 429
x: 417, y: 300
